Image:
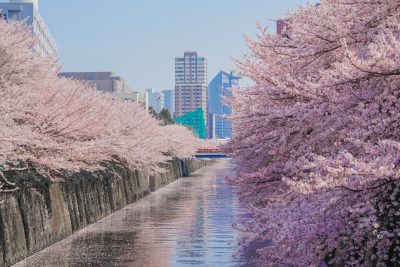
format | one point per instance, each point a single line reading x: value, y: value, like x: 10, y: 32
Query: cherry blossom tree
x: 54, y: 123
x: 317, y: 136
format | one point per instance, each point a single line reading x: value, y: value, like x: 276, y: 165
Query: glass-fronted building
x: 218, y: 110
x: 169, y: 101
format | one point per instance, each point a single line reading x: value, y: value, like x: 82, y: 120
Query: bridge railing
x: 210, y: 150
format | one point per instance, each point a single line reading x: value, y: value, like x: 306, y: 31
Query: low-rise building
x: 107, y: 82
x: 281, y: 26
x: 111, y: 83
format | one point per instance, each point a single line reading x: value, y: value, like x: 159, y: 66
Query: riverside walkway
x: 187, y: 223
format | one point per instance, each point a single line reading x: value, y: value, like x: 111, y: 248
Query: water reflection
x: 188, y: 223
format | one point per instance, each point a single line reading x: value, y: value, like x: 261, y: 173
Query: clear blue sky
x: 139, y: 39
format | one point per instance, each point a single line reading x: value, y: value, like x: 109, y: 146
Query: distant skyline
x: 139, y: 40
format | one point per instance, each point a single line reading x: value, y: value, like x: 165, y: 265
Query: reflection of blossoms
x: 56, y: 123
x: 317, y: 136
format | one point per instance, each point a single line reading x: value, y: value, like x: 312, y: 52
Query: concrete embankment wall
x: 43, y: 212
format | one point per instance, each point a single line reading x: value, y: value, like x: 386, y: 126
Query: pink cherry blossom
x: 317, y: 137
x: 54, y: 123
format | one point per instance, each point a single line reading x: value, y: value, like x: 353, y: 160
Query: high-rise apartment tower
x: 190, y: 84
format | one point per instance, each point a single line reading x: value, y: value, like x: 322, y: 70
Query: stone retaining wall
x: 45, y: 212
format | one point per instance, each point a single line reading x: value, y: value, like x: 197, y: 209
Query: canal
x: 187, y: 223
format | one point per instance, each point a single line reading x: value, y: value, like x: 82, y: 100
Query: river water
x: 187, y: 223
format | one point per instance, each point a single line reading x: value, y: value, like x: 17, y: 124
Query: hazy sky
x: 139, y: 39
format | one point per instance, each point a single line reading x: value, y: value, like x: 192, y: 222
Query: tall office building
x: 28, y: 10
x: 219, y: 88
x: 169, y: 101
x: 190, y: 84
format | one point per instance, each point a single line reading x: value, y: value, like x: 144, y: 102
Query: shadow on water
x: 187, y: 223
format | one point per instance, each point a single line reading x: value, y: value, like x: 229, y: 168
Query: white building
x: 142, y: 98
x: 28, y: 10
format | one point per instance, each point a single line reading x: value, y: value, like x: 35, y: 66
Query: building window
x: 14, y: 14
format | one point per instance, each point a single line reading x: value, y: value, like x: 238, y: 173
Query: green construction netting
x: 195, y: 120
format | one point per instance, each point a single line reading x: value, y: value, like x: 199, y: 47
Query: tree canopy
x: 56, y: 123
x: 317, y: 137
